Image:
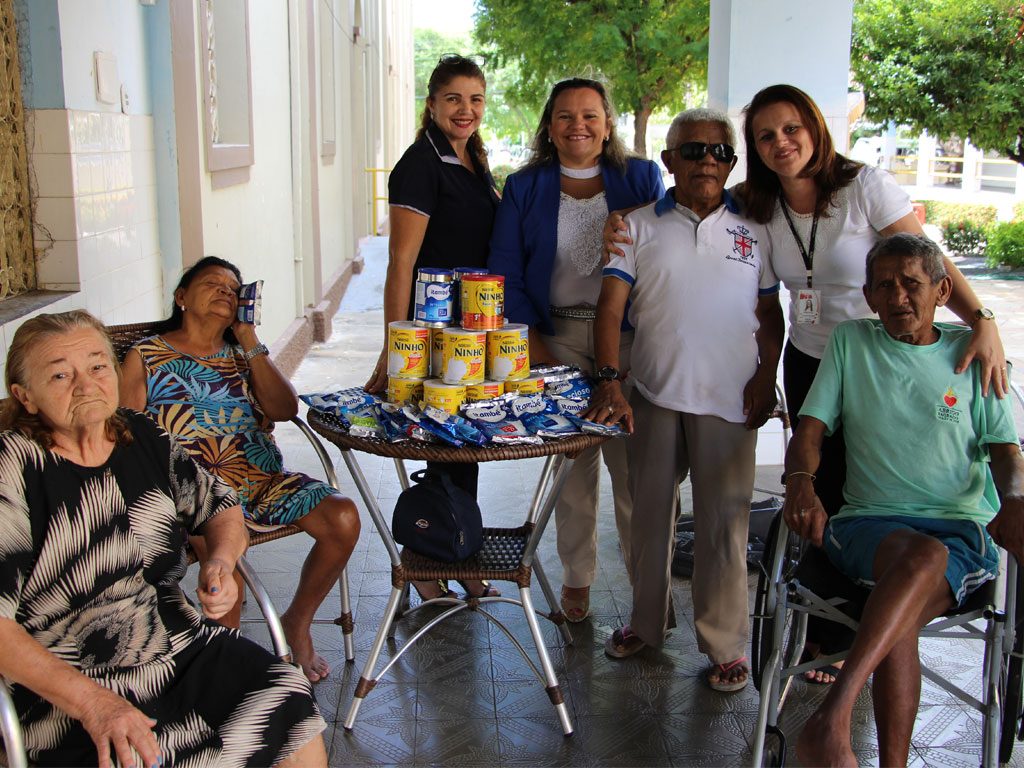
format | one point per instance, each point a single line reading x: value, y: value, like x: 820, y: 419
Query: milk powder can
x: 402, y: 391
x: 464, y: 354
x: 447, y: 397
x: 508, y: 352
x: 531, y: 385
x: 457, y: 274
x: 408, y: 350
x: 485, y: 390
x: 483, y: 301
x: 433, y: 297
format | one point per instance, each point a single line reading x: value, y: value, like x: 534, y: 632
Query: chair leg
x: 345, y: 620
x: 281, y: 649
x: 367, y: 681
x: 14, y: 746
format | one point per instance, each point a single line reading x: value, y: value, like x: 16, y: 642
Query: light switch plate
x: 107, y: 82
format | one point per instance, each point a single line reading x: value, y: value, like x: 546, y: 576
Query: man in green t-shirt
x: 925, y: 453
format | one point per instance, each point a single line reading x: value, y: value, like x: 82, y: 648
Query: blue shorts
x: 851, y: 543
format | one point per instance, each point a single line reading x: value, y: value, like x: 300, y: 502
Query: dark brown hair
x: 543, y: 152
x: 13, y: 415
x: 447, y: 69
x: 174, y: 322
x: 830, y: 170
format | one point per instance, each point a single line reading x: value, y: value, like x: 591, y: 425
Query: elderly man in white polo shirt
x: 704, y: 302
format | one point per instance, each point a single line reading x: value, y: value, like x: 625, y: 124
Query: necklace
x: 581, y: 173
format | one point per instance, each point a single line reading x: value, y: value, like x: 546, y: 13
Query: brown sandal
x: 575, y: 609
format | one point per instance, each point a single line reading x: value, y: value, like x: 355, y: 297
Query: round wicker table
x: 507, y: 553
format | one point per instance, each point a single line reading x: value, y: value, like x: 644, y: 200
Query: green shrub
x: 1006, y: 244
x: 500, y: 173
x: 941, y: 213
x: 964, y: 237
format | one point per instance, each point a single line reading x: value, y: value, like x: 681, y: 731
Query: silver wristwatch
x: 259, y: 349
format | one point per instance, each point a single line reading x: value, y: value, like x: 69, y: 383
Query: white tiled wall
x: 96, y: 217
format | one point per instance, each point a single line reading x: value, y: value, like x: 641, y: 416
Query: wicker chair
x: 126, y: 336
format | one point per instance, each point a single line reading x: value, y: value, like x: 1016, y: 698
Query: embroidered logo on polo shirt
x: 946, y: 411
x: 742, y: 245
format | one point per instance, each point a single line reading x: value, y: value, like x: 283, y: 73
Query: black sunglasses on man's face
x: 695, y: 150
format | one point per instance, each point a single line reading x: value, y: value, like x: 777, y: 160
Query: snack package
x: 573, y: 385
x: 455, y: 425
x: 550, y: 425
x: 357, y: 409
x: 428, y: 429
x: 493, y: 419
x: 593, y: 428
x: 250, y: 302
x: 569, y: 406
x: 394, y: 422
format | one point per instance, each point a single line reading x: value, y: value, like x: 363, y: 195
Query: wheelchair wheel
x: 1011, y: 684
x: 763, y: 625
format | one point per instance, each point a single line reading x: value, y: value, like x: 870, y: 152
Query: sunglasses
x: 695, y: 150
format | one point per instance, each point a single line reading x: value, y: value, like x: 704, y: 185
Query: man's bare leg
x: 896, y: 693
x: 910, y: 590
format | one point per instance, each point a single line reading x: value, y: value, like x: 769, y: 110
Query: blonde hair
x: 13, y: 414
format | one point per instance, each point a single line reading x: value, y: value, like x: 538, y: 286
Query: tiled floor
x: 464, y: 697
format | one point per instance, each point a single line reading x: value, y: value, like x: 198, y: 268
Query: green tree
x: 949, y: 67
x: 649, y: 51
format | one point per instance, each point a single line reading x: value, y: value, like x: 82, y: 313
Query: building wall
x: 92, y: 164
x: 123, y: 194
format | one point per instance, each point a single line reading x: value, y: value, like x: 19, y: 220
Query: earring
x: 549, y: 140
x: 182, y: 307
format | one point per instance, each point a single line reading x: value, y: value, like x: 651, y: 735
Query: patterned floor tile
x: 460, y: 741
x: 376, y: 742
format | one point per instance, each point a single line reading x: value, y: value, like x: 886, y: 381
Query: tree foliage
x: 950, y: 67
x: 649, y: 51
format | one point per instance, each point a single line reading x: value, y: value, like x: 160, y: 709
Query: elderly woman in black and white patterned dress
x: 109, y: 663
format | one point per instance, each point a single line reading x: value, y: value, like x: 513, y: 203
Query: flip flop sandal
x: 725, y: 686
x: 575, y: 610
x: 623, y: 643
x: 442, y: 591
x: 828, y: 669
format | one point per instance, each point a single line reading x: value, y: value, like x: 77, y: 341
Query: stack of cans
x: 460, y: 339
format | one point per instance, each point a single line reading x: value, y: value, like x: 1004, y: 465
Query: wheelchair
x: 792, y: 581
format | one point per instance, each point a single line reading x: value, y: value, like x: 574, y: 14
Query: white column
x: 889, y: 147
x: 971, y: 181
x: 756, y: 43
x: 925, y: 160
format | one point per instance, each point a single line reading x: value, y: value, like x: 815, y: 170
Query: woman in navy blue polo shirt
x: 442, y: 201
x: 547, y: 244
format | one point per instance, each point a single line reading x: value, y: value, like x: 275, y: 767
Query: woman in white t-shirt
x: 824, y: 212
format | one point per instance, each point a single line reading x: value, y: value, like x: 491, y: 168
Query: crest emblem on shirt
x: 946, y: 410
x: 742, y: 243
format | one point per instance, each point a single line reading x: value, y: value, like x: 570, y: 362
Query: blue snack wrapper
x: 250, y: 302
x: 492, y: 418
x: 593, y: 428
x: 550, y: 425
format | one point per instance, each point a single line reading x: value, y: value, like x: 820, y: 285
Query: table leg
x: 552, y: 686
x: 555, y: 613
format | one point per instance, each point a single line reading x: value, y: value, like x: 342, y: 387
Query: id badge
x: 808, y: 306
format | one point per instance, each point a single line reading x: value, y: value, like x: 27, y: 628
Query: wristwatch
x: 259, y: 349
x: 984, y: 314
x: 608, y: 373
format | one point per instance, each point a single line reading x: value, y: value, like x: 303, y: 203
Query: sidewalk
x: 465, y: 697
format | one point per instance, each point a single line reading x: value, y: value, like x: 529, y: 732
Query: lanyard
x: 806, y: 253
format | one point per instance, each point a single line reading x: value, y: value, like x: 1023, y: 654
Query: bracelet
x: 259, y: 349
x: 799, y: 472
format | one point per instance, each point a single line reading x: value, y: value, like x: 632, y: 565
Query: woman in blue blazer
x: 547, y: 243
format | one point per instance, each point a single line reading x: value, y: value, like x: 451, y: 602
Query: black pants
x: 798, y: 370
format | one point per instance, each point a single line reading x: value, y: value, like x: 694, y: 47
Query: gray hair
x: 908, y: 246
x: 700, y: 115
